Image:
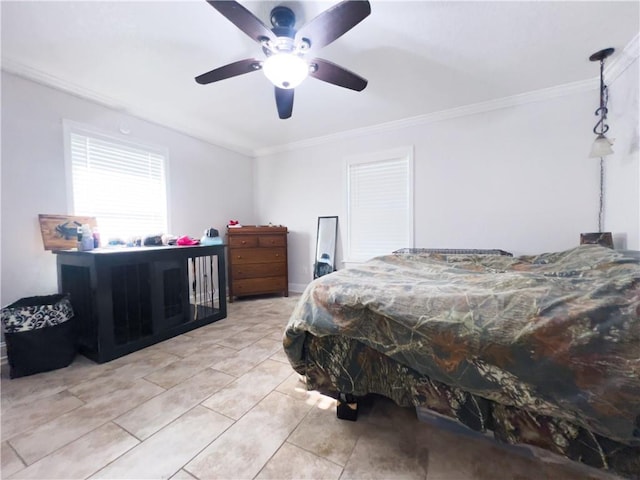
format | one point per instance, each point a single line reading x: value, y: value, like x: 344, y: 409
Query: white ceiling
x: 420, y: 57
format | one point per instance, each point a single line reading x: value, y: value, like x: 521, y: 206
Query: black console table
x: 129, y: 298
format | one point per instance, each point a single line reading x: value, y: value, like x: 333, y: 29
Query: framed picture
x: 60, y: 232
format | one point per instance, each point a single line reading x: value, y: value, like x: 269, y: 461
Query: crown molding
x: 52, y: 81
x: 623, y: 60
x: 157, y: 118
x: 615, y: 68
x: 466, y: 110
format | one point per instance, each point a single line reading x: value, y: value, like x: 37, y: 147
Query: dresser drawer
x: 242, y: 241
x: 272, y: 241
x: 258, y: 255
x: 259, y: 285
x: 257, y: 260
x: 257, y: 270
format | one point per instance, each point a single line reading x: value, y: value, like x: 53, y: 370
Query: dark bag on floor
x: 39, y: 334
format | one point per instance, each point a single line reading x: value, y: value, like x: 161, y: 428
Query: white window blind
x: 380, y: 208
x: 122, y: 184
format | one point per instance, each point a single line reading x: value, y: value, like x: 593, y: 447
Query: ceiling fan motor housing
x: 283, y: 19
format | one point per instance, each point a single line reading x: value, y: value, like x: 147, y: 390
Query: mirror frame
x: 330, y: 238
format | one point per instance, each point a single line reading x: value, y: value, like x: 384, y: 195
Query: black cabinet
x: 127, y: 299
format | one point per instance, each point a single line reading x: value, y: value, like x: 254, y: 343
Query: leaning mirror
x: 326, y: 246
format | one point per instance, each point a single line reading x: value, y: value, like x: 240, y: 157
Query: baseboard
x: 297, y: 287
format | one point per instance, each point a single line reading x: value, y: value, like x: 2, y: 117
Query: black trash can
x: 39, y: 334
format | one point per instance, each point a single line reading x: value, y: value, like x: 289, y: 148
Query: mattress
x: 550, y: 341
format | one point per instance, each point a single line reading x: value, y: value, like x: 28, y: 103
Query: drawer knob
x: 239, y: 256
x: 277, y: 254
x: 243, y: 242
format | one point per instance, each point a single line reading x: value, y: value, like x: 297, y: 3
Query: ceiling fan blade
x: 232, y: 70
x: 333, y: 23
x: 284, y: 102
x: 331, y: 73
x: 243, y: 19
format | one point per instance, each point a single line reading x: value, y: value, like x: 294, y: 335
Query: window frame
x: 69, y: 127
x: 400, y: 153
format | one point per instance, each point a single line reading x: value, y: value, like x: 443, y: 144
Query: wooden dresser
x: 257, y: 261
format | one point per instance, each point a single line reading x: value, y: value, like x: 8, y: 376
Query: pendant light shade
x: 601, y: 147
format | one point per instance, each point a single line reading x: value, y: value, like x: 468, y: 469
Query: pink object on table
x: 186, y: 240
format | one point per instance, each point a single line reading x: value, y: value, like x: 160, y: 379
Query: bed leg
x: 347, y: 408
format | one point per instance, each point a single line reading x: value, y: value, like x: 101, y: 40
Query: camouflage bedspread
x: 551, y: 336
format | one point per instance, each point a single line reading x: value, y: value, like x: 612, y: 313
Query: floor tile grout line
x: 122, y: 454
x: 112, y: 420
x: 23, y: 403
x: 159, y: 431
x: 267, y: 336
x: 246, y: 346
x: 161, y: 393
x: 129, y: 432
x: 217, y: 412
x: 196, y: 372
x: 254, y: 405
x: 184, y: 465
x: 24, y: 464
x: 225, y: 373
x: 245, y: 413
x: 286, y: 440
x: 268, y: 460
x: 132, y: 381
x: 68, y: 443
x: 26, y: 432
x: 239, y: 418
x: 342, y: 467
x: 238, y: 349
x: 355, y: 444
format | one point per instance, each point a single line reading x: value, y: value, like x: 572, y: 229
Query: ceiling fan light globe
x: 601, y: 147
x: 285, y: 70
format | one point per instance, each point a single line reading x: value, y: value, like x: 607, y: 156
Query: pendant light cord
x: 601, y: 209
x: 601, y: 127
x: 602, y: 111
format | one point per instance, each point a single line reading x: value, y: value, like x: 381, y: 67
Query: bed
x: 541, y: 350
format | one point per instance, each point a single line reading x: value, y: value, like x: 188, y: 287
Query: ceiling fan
x: 290, y: 53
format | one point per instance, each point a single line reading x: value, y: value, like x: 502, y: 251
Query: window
x: 121, y: 183
x: 380, y: 203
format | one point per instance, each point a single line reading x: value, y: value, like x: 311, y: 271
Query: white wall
x: 516, y: 178
x: 208, y: 185
x: 622, y: 169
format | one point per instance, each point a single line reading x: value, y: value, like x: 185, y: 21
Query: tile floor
x: 223, y: 402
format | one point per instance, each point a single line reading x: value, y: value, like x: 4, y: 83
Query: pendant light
x: 600, y: 148
x: 601, y: 145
